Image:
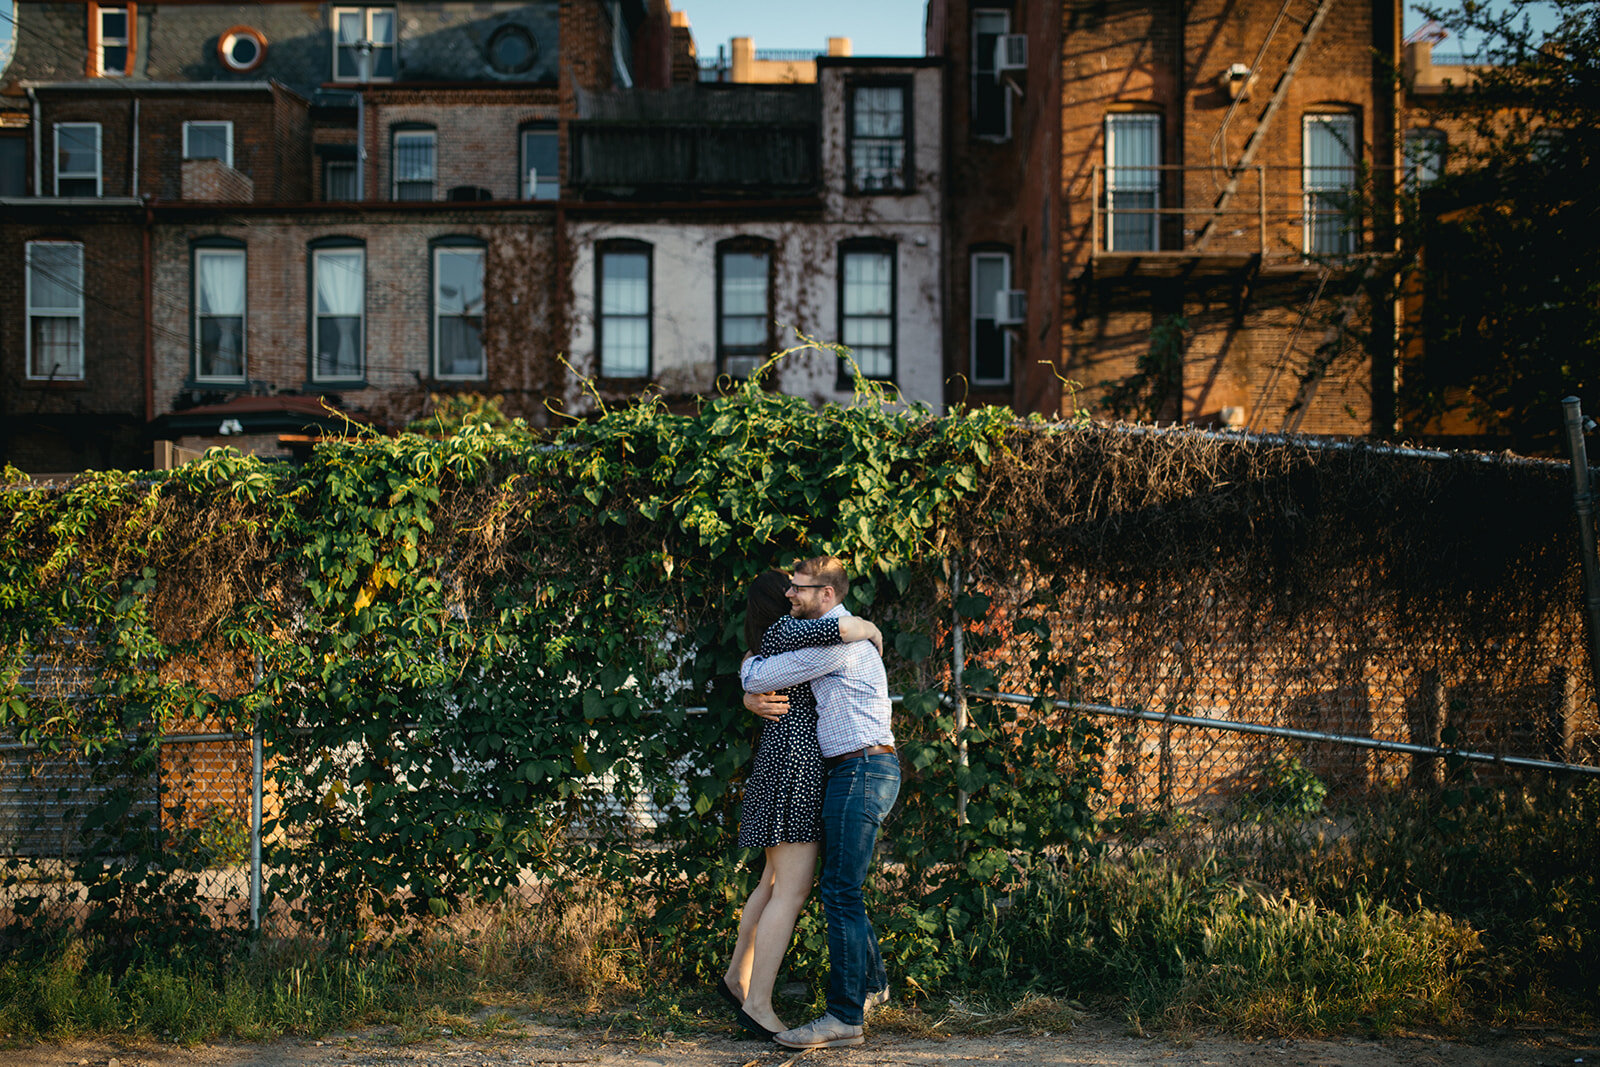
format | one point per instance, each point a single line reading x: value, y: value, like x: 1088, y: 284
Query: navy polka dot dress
x: 783, y: 795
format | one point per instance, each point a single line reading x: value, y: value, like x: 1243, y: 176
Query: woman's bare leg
x: 793, y: 865
x: 738, y: 976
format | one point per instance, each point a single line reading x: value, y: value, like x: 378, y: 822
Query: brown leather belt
x: 870, y: 750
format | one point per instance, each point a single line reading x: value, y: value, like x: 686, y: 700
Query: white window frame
x: 438, y: 316
x: 52, y: 313
x: 366, y: 12
x: 99, y: 157
x: 227, y: 124
x: 647, y: 316
x: 889, y: 253
x: 1314, y: 187
x: 983, y: 307
x: 244, y: 316
x: 125, y: 41
x: 394, y: 159
x: 982, y: 62
x: 317, y: 316
x: 1422, y: 172
x: 1141, y: 183
x: 544, y: 186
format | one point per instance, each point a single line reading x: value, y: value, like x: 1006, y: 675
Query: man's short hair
x: 827, y: 570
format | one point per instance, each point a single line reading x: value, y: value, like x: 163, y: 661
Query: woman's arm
x: 853, y: 628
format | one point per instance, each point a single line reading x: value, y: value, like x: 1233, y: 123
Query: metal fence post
x: 255, y: 810
x: 958, y: 687
x: 1583, y: 504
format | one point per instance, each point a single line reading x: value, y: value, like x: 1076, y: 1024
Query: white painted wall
x: 806, y: 253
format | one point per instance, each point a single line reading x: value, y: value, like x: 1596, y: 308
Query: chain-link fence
x: 1241, y: 658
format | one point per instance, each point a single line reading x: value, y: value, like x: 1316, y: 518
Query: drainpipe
x: 38, y: 162
x: 133, y: 156
x: 149, y: 314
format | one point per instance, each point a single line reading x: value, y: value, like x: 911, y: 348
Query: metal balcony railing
x: 1281, y: 213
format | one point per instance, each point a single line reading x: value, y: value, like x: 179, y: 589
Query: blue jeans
x: 857, y: 797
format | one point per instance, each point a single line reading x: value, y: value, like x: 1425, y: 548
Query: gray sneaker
x: 876, y: 1000
x: 826, y: 1032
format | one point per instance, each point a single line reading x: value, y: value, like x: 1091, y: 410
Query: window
x: 219, y: 282
x: 352, y: 25
x: 991, y: 345
x: 77, y: 159
x: 338, y: 339
x: 512, y: 50
x: 866, y: 308
x: 242, y: 49
x: 1330, y: 182
x: 458, y: 312
x: 877, y: 141
x: 991, y: 101
x: 1133, y: 182
x: 623, y: 284
x: 744, y: 306
x: 208, y: 140
x: 55, y: 310
x: 540, y: 163
x: 112, y: 50
x: 13, y: 166
x: 413, y: 164
x: 339, y: 179
x: 1424, y: 157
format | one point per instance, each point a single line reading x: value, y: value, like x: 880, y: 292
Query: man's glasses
x: 797, y: 585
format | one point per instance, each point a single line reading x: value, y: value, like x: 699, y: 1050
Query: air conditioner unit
x: 1010, y: 307
x: 1010, y: 53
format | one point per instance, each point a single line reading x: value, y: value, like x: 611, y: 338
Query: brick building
x: 1158, y: 198
x: 361, y: 205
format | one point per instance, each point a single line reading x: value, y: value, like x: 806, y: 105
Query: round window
x: 242, y: 48
x: 512, y: 50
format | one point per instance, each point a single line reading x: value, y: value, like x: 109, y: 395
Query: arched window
x: 1331, y: 151
x: 457, y: 270
x: 412, y: 154
x: 338, y: 311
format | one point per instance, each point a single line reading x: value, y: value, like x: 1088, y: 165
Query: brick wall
x: 475, y: 136
x: 519, y: 341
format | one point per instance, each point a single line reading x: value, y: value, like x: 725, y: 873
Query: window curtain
x: 625, y: 315
x: 869, y: 312
x: 56, y: 349
x: 339, y: 306
x: 222, y: 284
x: 459, y: 302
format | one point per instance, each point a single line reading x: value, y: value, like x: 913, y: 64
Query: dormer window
x: 351, y: 26
x: 111, y: 48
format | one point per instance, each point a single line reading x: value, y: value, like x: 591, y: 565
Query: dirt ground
x: 1092, y: 1041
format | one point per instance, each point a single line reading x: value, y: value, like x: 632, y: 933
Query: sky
x: 875, y: 27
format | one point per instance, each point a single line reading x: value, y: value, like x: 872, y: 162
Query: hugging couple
x: 825, y: 776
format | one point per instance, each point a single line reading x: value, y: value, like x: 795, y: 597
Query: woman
x: 782, y: 811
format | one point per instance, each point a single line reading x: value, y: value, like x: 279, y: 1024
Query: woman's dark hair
x: 766, y: 604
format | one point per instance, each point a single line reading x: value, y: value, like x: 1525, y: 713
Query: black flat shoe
x: 725, y: 991
x: 753, y: 1028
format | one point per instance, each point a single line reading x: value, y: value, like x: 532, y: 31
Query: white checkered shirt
x: 849, y: 681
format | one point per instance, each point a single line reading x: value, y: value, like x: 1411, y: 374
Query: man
x: 862, y: 783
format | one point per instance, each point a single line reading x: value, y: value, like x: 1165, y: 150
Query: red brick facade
x: 1249, y: 295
